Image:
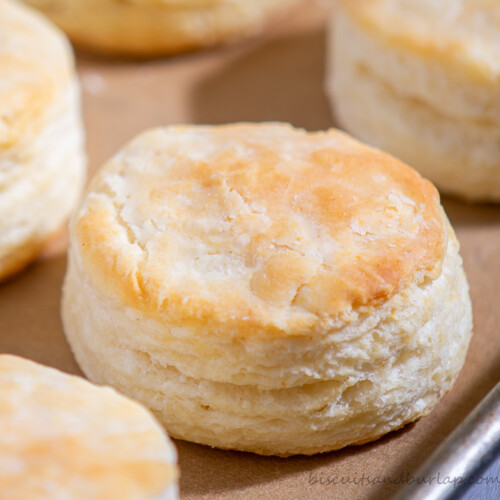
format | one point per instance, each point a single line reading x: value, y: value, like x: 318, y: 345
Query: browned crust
x: 286, y: 290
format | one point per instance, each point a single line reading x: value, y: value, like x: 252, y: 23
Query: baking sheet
x: 277, y: 77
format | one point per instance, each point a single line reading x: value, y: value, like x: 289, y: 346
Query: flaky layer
x: 446, y: 52
x: 268, y: 362
x: 342, y: 386
x: 41, y: 179
x: 62, y: 437
x: 42, y: 158
x: 156, y: 27
x: 460, y: 154
x: 266, y: 289
x: 256, y: 230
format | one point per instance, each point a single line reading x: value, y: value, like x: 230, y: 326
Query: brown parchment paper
x: 276, y: 77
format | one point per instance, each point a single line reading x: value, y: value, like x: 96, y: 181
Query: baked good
x: 421, y: 79
x: 63, y: 437
x: 266, y: 289
x: 147, y: 28
x: 41, y: 139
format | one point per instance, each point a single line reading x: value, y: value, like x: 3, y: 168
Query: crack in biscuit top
x: 257, y: 227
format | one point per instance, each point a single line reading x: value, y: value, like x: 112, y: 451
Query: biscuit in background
x: 421, y: 79
x: 42, y: 160
x: 266, y: 289
x: 147, y: 28
x: 62, y: 437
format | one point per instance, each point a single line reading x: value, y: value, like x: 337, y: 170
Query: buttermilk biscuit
x: 158, y: 27
x: 421, y: 79
x: 41, y: 139
x: 64, y: 438
x: 266, y: 289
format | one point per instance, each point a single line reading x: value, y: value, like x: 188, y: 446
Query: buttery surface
x: 65, y: 438
x: 265, y: 226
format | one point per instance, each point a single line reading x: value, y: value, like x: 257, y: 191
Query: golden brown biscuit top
x: 256, y: 228
x: 462, y: 33
x: 35, y: 65
x: 65, y: 438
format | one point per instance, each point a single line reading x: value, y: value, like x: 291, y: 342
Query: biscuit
x: 421, y: 79
x: 63, y: 437
x: 146, y: 28
x: 266, y: 289
x: 42, y: 161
